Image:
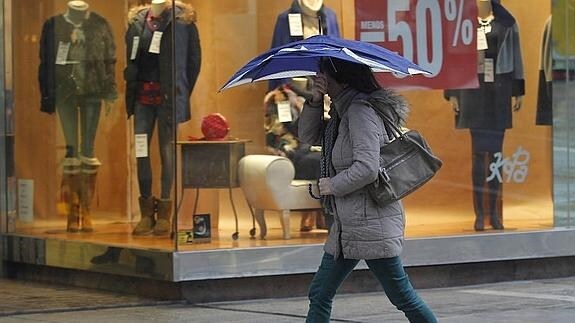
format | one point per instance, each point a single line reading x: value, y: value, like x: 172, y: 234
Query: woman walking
x: 361, y: 229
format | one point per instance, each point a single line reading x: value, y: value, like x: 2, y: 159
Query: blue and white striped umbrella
x: 302, y: 58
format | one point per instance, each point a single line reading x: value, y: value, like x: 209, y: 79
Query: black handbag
x: 406, y: 163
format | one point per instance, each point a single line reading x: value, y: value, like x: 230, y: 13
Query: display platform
x: 226, y: 258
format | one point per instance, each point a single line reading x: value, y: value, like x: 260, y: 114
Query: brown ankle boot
x: 163, y: 224
x: 147, y: 222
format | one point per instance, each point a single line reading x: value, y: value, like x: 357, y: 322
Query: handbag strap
x: 393, y: 130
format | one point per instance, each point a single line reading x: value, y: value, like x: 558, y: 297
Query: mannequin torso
x: 485, y: 16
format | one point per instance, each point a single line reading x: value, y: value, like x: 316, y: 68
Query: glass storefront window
x: 79, y: 66
x: 562, y: 65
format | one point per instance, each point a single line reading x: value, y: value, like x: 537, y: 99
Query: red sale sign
x: 438, y: 35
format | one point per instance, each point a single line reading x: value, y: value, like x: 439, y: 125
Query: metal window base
x: 271, y: 261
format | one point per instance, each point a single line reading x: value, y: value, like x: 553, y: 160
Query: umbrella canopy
x: 301, y: 58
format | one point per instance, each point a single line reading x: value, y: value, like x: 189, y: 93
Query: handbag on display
x: 406, y: 163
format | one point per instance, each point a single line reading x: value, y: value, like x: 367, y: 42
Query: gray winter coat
x: 361, y: 229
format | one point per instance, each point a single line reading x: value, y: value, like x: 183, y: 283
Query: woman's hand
x: 318, y: 90
x: 324, y: 185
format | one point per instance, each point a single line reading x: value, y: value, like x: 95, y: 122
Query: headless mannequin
x: 487, y: 110
x: 311, y: 27
x: 80, y: 166
x: 485, y: 12
x: 157, y: 7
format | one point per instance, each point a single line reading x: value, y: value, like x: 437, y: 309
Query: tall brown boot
x: 163, y: 224
x: 69, y: 193
x: 88, y: 186
x: 147, y: 222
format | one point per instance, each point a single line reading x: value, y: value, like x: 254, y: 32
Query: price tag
x: 295, y: 24
x: 62, y: 55
x: 141, y: 145
x: 156, y: 41
x: 135, y: 45
x: 284, y: 111
x: 489, y: 70
x: 481, y: 40
x: 26, y: 200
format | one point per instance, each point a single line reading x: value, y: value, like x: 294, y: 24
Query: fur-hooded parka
x: 361, y: 229
x: 187, y: 52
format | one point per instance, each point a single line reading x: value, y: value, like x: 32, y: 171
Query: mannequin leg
x: 68, y: 114
x: 89, y: 117
x: 163, y: 224
x: 478, y: 170
x: 495, y: 202
x: 70, y: 186
x: 90, y: 109
x: 485, y: 143
x: 166, y: 142
x: 144, y: 120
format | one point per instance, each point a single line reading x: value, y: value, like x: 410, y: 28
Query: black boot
x: 478, y: 172
x: 495, y: 204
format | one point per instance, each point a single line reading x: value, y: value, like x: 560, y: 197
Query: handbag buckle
x: 384, y: 173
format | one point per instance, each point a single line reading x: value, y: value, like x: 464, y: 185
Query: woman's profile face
x: 334, y: 88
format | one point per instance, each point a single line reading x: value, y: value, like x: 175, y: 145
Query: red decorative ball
x: 215, y: 127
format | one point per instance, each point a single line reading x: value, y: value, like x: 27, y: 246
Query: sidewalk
x: 550, y: 300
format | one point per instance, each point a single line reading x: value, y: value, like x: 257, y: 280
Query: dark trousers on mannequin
x: 487, y: 195
x: 145, y: 119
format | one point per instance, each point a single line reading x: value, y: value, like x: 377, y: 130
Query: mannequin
x: 150, y: 100
x: 487, y: 110
x: 77, y: 73
x: 311, y: 13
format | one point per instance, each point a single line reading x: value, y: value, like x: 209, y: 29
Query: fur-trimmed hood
x: 184, y: 12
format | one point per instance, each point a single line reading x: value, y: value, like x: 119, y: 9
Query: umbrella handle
x: 320, y: 23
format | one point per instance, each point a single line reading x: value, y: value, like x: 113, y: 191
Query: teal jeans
x: 388, y: 271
